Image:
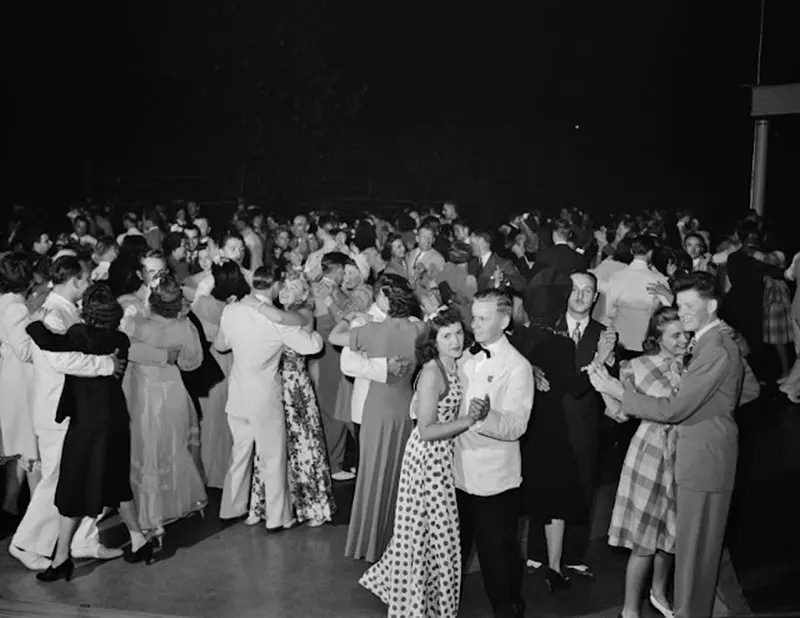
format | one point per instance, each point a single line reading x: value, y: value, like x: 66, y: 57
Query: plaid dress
x: 644, y: 510
x: 777, y: 312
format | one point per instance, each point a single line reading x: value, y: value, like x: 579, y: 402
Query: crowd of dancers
x: 463, y: 377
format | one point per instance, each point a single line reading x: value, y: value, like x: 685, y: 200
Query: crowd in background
x: 272, y: 357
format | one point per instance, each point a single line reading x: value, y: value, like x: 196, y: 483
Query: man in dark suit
x: 489, y: 269
x: 582, y: 414
x: 560, y: 256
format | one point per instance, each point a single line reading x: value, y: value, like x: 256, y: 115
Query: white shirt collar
x: 560, y: 242
x: 705, y: 329
x: 639, y: 264
x: 485, y: 258
x: 498, y: 346
x: 571, y: 322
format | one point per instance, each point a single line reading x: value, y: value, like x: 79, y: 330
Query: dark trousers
x: 490, y: 522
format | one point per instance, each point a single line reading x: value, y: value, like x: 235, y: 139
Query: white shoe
x: 252, y: 520
x: 292, y: 523
x: 343, y: 475
x: 33, y: 562
x: 99, y: 552
x: 315, y: 523
x: 660, y: 607
x: 532, y: 564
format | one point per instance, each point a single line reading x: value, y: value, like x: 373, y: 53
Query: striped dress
x: 643, y: 518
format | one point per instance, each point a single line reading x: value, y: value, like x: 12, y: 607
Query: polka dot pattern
x: 419, y: 575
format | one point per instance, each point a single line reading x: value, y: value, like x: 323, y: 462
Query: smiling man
x: 716, y: 381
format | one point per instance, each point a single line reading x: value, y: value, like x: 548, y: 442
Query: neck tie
x: 687, y: 358
x: 576, y: 334
x: 477, y: 348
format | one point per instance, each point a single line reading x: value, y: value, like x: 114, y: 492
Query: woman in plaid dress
x: 777, y: 327
x: 643, y: 519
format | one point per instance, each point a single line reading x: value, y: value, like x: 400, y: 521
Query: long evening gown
x: 385, y: 428
x: 420, y: 573
x: 215, y: 435
x: 165, y: 480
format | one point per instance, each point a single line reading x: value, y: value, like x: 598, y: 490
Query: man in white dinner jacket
x: 36, y: 536
x: 499, y: 382
x: 255, y: 400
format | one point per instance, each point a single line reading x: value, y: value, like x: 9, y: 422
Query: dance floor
x: 207, y: 569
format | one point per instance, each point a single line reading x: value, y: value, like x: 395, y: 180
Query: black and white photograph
x: 420, y: 310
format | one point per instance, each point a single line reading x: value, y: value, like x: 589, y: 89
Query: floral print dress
x: 309, y: 472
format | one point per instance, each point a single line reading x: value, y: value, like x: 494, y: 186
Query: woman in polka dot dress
x: 420, y: 572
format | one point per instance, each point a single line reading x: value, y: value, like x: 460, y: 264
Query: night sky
x: 518, y: 105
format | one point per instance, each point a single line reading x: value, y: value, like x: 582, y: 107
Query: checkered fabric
x: 777, y: 312
x: 644, y: 510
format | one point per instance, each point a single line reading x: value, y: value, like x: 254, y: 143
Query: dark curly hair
x: 426, y: 342
x: 228, y: 281
x: 386, y: 252
x: 402, y: 302
x: 655, y: 328
x: 100, y: 308
x: 16, y: 273
x: 123, y: 275
x: 166, y: 298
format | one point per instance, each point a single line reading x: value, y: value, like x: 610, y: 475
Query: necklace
x: 448, y: 369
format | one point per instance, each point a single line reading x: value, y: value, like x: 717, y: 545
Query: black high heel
x: 555, y: 580
x: 143, y: 554
x: 62, y: 571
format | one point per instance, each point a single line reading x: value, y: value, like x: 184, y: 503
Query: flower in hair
x: 435, y: 314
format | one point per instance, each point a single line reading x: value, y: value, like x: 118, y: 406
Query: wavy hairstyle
x: 402, y: 302
x: 166, y: 296
x: 426, y: 342
x: 16, y: 273
x: 99, y: 307
x: 228, y: 281
x: 655, y: 328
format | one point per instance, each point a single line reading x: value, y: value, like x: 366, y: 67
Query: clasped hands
x: 609, y: 388
x: 398, y: 366
x: 479, y: 408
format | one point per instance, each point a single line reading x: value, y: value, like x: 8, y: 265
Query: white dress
x: 165, y: 481
x: 16, y: 382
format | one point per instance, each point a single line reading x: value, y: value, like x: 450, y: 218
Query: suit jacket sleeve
x: 299, y: 340
x: 704, y: 376
x: 18, y: 338
x: 221, y: 341
x: 358, y: 365
x: 510, y: 422
x: 515, y: 280
x: 76, y: 363
x: 48, y: 340
x: 524, y: 268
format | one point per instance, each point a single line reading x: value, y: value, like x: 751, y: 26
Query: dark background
x: 508, y: 106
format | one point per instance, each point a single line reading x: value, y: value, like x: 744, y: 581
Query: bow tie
x: 477, y: 348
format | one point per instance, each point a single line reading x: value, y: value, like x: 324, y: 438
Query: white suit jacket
x: 254, y: 385
x: 487, y: 456
x: 59, y: 314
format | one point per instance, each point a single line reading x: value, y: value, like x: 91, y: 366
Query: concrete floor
x: 207, y: 569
